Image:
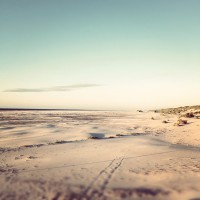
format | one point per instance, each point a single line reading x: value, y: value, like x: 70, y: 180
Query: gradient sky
x: 99, y: 54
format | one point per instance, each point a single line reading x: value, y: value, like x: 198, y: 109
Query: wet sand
x: 47, y: 155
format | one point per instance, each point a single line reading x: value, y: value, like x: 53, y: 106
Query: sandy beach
x: 99, y: 100
x: 98, y: 155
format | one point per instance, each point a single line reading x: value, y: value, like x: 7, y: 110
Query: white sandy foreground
x: 47, y: 155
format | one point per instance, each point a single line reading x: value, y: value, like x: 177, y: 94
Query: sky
x: 102, y: 54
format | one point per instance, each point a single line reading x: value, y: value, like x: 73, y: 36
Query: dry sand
x: 48, y: 155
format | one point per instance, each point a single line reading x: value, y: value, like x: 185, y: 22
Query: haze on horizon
x: 106, y: 54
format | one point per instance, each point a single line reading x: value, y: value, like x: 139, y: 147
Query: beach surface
x: 90, y: 155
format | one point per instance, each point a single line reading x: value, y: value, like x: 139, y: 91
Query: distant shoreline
x: 46, y: 109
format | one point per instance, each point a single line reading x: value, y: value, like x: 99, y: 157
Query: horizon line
x: 43, y: 109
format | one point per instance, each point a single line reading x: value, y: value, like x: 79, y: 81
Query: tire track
x: 96, y: 188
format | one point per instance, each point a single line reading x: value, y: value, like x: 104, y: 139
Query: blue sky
x: 106, y: 54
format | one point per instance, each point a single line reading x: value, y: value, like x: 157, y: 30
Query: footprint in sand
x: 32, y: 157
